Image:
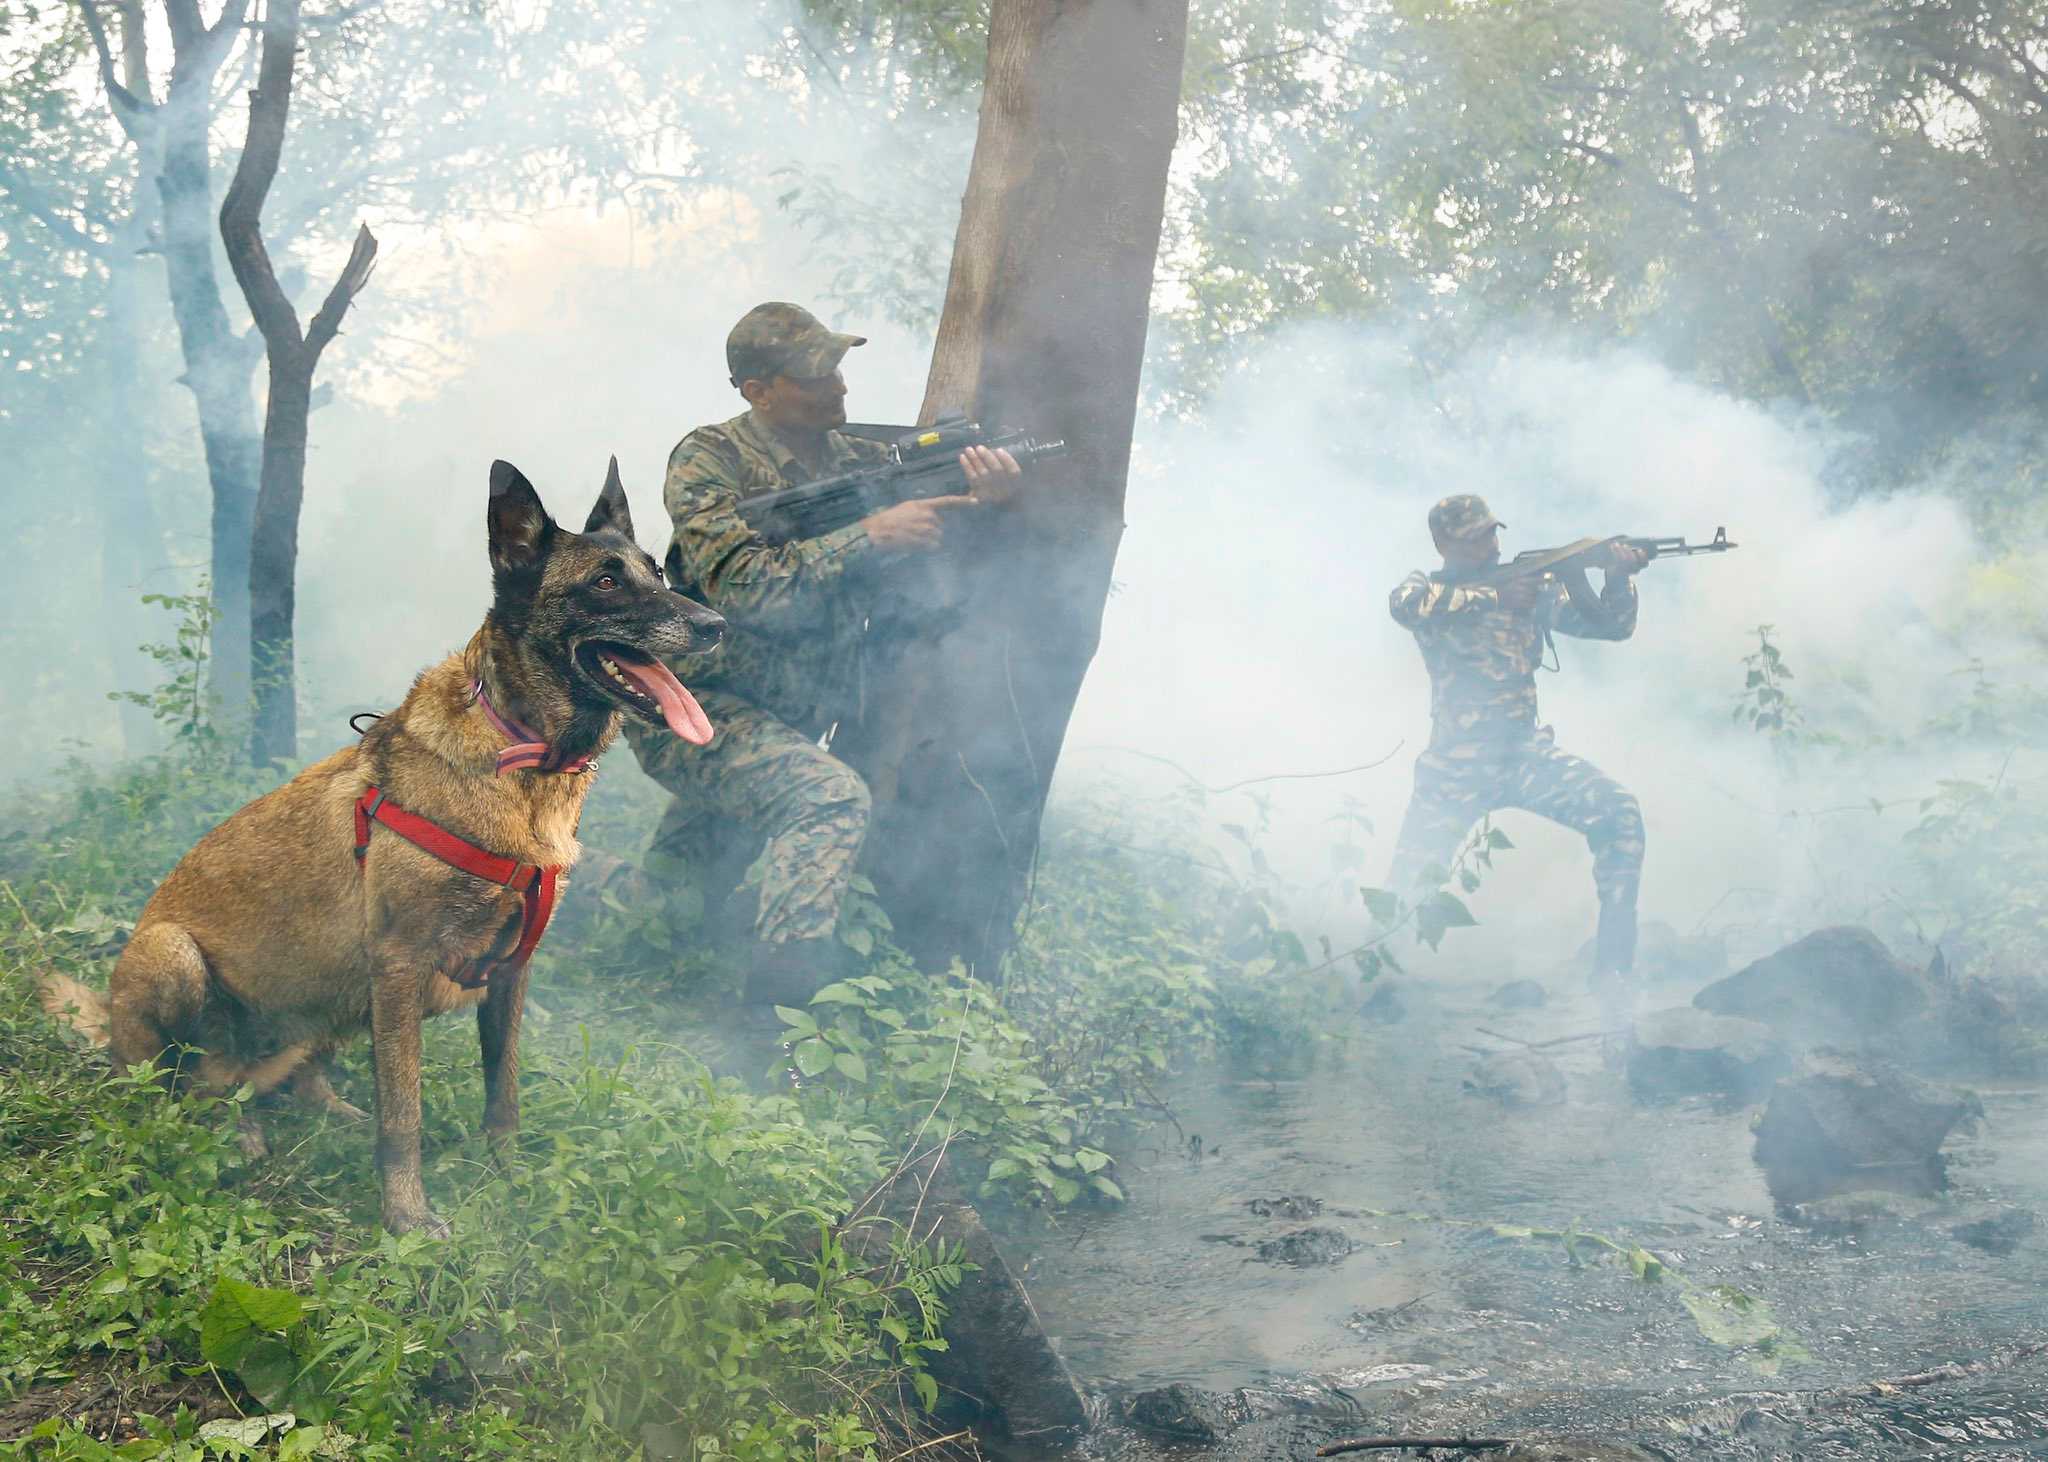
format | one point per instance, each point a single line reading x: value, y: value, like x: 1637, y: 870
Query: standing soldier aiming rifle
x: 1483, y: 642
x: 789, y: 671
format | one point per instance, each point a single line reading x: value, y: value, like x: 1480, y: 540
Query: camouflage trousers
x: 809, y: 809
x: 1454, y: 790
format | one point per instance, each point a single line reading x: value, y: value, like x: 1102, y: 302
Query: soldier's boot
x: 790, y: 973
x: 1614, y: 960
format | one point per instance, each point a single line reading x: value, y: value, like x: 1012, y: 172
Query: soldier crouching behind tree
x: 790, y: 666
x: 1482, y: 644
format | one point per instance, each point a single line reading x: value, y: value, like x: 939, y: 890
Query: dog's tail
x: 80, y: 1007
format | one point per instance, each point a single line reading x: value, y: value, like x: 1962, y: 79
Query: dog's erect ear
x: 520, y: 526
x: 611, y: 510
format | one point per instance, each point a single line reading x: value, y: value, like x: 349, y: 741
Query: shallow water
x: 1444, y: 1319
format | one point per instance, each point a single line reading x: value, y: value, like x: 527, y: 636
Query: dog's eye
x: 606, y: 581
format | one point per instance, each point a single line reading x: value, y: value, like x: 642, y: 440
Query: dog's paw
x: 424, y: 1221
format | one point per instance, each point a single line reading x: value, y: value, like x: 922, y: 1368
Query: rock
x: 1517, y: 1079
x: 1999, y: 1233
x: 1385, y: 1002
x: 1840, y: 1215
x: 998, y: 1355
x: 1574, y: 1449
x: 1180, y: 1413
x: 1846, y: 1127
x: 1834, y: 984
x: 1306, y: 1248
x: 1520, y: 995
x: 1296, y: 1206
x: 1982, y: 1027
x: 1687, y: 1052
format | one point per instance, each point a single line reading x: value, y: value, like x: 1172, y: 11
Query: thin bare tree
x: 294, y: 354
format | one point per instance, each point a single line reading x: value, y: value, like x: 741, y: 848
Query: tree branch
x: 186, y: 23
x: 341, y: 16
x: 362, y: 258
x: 241, y: 212
x: 1634, y: 173
x: 128, y: 109
x: 1696, y: 149
x: 134, y: 45
x: 2033, y: 71
x: 202, y: 48
x: 37, y: 207
x: 222, y: 32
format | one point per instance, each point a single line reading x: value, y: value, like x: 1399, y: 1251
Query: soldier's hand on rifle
x: 1627, y: 561
x: 917, y: 526
x: 1521, y: 595
x: 989, y: 468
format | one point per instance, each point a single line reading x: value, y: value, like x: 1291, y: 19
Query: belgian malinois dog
x: 412, y: 873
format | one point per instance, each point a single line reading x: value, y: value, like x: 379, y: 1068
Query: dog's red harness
x: 534, y: 885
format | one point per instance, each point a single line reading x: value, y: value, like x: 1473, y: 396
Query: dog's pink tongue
x: 685, y: 717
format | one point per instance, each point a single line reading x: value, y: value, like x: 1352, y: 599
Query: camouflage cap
x: 778, y: 339
x: 1460, y: 516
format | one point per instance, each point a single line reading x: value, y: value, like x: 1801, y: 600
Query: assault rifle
x: 922, y: 463
x: 1571, y: 561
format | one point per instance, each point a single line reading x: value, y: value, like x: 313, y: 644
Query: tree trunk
x: 274, y: 538
x: 274, y: 562
x: 1044, y: 328
x: 217, y: 363
x: 130, y: 544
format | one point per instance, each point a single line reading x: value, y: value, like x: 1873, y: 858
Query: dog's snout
x: 707, y: 626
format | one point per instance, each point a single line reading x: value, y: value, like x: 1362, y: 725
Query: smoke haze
x: 1249, y: 634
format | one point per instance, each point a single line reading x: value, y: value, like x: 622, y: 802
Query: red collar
x: 527, y: 749
x: 535, y: 886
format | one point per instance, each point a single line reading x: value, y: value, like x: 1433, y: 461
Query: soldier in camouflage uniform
x: 790, y: 665
x: 1482, y: 645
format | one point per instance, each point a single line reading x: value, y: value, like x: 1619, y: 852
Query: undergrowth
x: 665, y: 1265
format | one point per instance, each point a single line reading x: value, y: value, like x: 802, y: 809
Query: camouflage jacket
x: 1482, y: 658
x: 795, y: 610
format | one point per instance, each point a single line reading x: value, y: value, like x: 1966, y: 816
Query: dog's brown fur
x: 268, y: 946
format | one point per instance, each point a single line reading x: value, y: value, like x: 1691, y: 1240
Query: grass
x: 659, y: 1264
x: 662, y: 1266
x: 658, y: 1269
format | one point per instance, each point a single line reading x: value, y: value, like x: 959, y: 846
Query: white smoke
x: 1250, y: 634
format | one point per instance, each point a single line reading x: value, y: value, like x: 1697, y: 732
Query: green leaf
x: 1004, y: 1167
x: 813, y: 1057
x: 860, y: 941
x: 1441, y: 911
x: 1090, y: 1160
x: 236, y: 1310
x: 851, y: 1066
x: 838, y: 993
x: 927, y: 1389
x: 267, y: 1367
x: 800, y: 1022
x: 1106, y: 1186
x: 1384, y: 907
